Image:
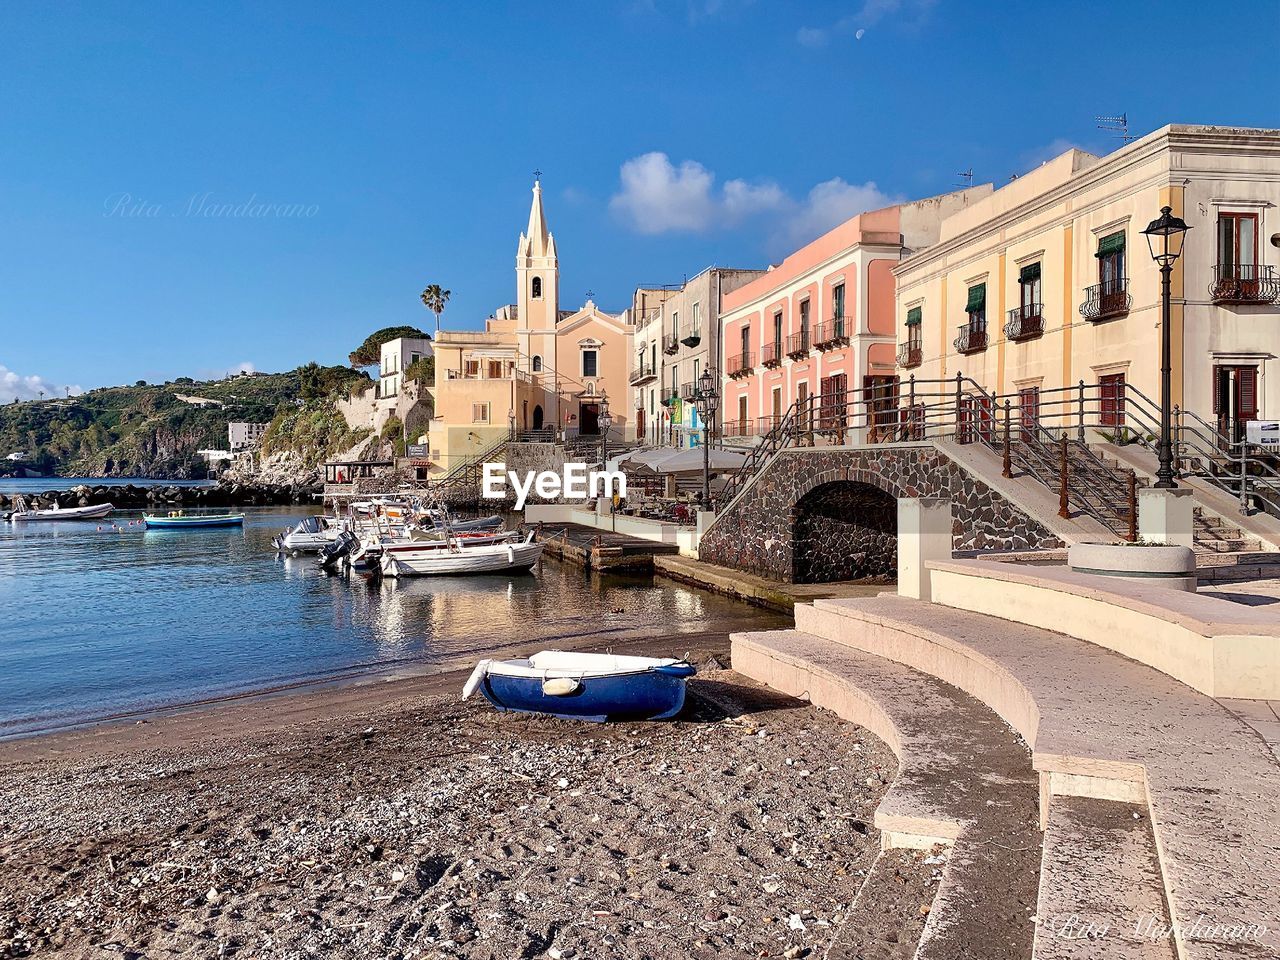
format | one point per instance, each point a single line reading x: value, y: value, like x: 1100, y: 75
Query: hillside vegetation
x: 154, y: 430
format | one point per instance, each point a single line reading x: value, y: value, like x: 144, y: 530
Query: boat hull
x: 494, y: 558
x: 652, y: 695
x: 189, y: 523
x: 69, y: 513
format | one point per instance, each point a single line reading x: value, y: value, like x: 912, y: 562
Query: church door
x: 588, y: 419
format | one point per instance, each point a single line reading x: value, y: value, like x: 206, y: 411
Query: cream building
x: 535, y: 368
x: 1049, y: 282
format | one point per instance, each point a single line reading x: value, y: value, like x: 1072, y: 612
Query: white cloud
x: 813, y: 37
x: 909, y: 12
x: 244, y: 366
x: 659, y: 197
x: 15, y: 386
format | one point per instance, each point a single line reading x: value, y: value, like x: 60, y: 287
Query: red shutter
x: 1247, y: 384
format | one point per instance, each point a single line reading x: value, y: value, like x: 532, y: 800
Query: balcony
x: 738, y: 428
x: 1025, y: 322
x: 693, y: 339
x: 1243, y: 283
x: 740, y: 365
x: 972, y: 337
x: 669, y: 398
x: 670, y: 343
x: 798, y: 345
x: 910, y: 354
x: 771, y: 354
x: 687, y: 390
x: 643, y: 373
x: 832, y: 333
x: 1106, y: 300
x: 766, y: 424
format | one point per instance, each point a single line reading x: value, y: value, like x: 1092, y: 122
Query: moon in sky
x: 859, y: 34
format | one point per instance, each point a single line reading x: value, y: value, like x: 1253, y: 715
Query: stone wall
x: 757, y: 532
x: 845, y: 531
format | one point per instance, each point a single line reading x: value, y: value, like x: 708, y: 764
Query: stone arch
x: 537, y: 417
x: 537, y: 288
x: 845, y: 528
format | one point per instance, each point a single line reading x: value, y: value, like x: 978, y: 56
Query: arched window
x: 537, y: 363
x: 537, y: 288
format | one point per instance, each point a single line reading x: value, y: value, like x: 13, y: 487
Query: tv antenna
x: 1116, y: 126
x: 966, y: 178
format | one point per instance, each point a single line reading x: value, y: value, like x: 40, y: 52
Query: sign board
x: 1263, y: 433
x: 418, y: 451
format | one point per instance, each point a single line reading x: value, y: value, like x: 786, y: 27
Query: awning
x: 977, y: 298
x: 1110, y: 244
x: 1030, y: 273
x: 913, y: 316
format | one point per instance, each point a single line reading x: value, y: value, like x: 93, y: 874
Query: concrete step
x: 1107, y: 727
x: 964, y: 780
x: 1207, y: 545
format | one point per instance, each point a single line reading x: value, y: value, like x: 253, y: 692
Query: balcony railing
x: 740, y: 365
x: 1025, y: 322
x: 670, y: 343
x: 1106, y: 300
x: 832, y: 333
x: 643, y: 373
x: 910, y: 354
x: 766, y: 423
x: 739, y: 428
x: 972, y: 337
x: 669, y: 397
x: 692, y: 338
x: 1244, y: 283
x: 798, y: 345
x: 771, y: 354
x: 687, y: 390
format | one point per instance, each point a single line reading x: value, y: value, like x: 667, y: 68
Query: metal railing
x: 1106, y: 300
x: 670, y: 343
x: 692, y: 338
x: 832, y: 333
x: 910, y: 354
x: 739, y: 365
x: 798, y: 344
x: 687, y: 390
x: 1244, y: 283
x: 644, y: 372
x: 771, y: 354
x: 972, y: 337
x: 1025, y: 322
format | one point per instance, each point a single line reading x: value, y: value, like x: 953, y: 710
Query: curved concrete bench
x: 964, y: 779
x: 1220, y: 648
x: 1106, y: 727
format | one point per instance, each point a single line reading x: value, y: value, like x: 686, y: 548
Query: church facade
x: 534, y: 368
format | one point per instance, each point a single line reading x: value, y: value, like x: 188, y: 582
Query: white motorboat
x: 22, y: 513
x: 458, y: 555
x: 311, y: 535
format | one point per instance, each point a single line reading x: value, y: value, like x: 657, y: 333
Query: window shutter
x: 977, y: 298
x: 913, y: 316
x: 1113, y: 243
x: 1217, y: 388
x: 1030, y: 273
x: 1247, y: 378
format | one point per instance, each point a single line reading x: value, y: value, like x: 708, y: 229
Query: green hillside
x: 150, y: 430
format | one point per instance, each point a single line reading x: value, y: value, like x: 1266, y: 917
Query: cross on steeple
x: 537, y: 174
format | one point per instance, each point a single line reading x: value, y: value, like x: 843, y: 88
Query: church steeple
x: 537, y: 270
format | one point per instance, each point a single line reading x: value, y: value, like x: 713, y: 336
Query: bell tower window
x: 537, y: 288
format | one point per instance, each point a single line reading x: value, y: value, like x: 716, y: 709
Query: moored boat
x: 311, y: 535
x: 459, y: 554
x: 23, y: 514
x: 182, y: 521
x: 584, y: 686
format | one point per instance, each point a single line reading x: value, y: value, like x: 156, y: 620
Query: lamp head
x: 1165, y: 236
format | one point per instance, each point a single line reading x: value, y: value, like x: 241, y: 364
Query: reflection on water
x: 99, y: 621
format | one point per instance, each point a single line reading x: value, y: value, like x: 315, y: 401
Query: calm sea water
x: 95, y: 623
x: 41, y: 484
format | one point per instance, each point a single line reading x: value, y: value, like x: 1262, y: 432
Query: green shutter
x: 1029, y: 273
x: 977, y: 298
x: 913, y: 317
x: 1113, y: 243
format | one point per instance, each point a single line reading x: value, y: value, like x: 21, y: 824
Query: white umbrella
x: 648, y: 459
x: 690, y: 461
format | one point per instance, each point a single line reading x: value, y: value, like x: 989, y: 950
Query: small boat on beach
x: 584, y: 686
x: 182, y: 521
x: 24, y: 514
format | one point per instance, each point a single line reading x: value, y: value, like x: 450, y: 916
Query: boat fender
x: 560, y: 686
x: 511, y: 555
x: 479, y: 673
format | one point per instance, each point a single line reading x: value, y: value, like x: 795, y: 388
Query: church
x: 534, y: 368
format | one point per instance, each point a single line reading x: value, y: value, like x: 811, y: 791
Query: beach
x: 393, y: 819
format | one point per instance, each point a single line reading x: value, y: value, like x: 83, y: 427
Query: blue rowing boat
x: 584, y: 686
x: 184, y: 522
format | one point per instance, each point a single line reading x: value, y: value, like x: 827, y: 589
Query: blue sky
x: 390, y: 146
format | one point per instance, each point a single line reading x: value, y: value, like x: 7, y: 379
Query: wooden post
x: 1132, y: 532
x: 1007, y: 468
x: 1063, y: 510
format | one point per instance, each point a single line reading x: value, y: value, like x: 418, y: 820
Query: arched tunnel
x: 845, y: 530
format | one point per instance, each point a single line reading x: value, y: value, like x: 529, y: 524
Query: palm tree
x: 434, y: 298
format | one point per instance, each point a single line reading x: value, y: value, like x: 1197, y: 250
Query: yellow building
x: 534, y: 368
x: 1049, y: 282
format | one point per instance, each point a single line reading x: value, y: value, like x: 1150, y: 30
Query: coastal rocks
x: 135, y: 496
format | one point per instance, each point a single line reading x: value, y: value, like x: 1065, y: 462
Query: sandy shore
x: 392, y: 820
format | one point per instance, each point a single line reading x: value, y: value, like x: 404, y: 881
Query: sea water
x: 101, y: 619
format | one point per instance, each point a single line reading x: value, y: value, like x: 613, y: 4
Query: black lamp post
x: 706, y: 400
x: 605, y: 420
x: 1165, y: 236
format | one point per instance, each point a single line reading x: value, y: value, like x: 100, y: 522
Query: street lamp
x: 605, y: 419
x: 706, y: 400
x: 1165, y: 236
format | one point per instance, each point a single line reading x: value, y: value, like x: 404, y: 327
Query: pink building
x: 821, y: 323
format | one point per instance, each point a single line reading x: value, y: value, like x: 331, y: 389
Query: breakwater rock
x: 134, y: 496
